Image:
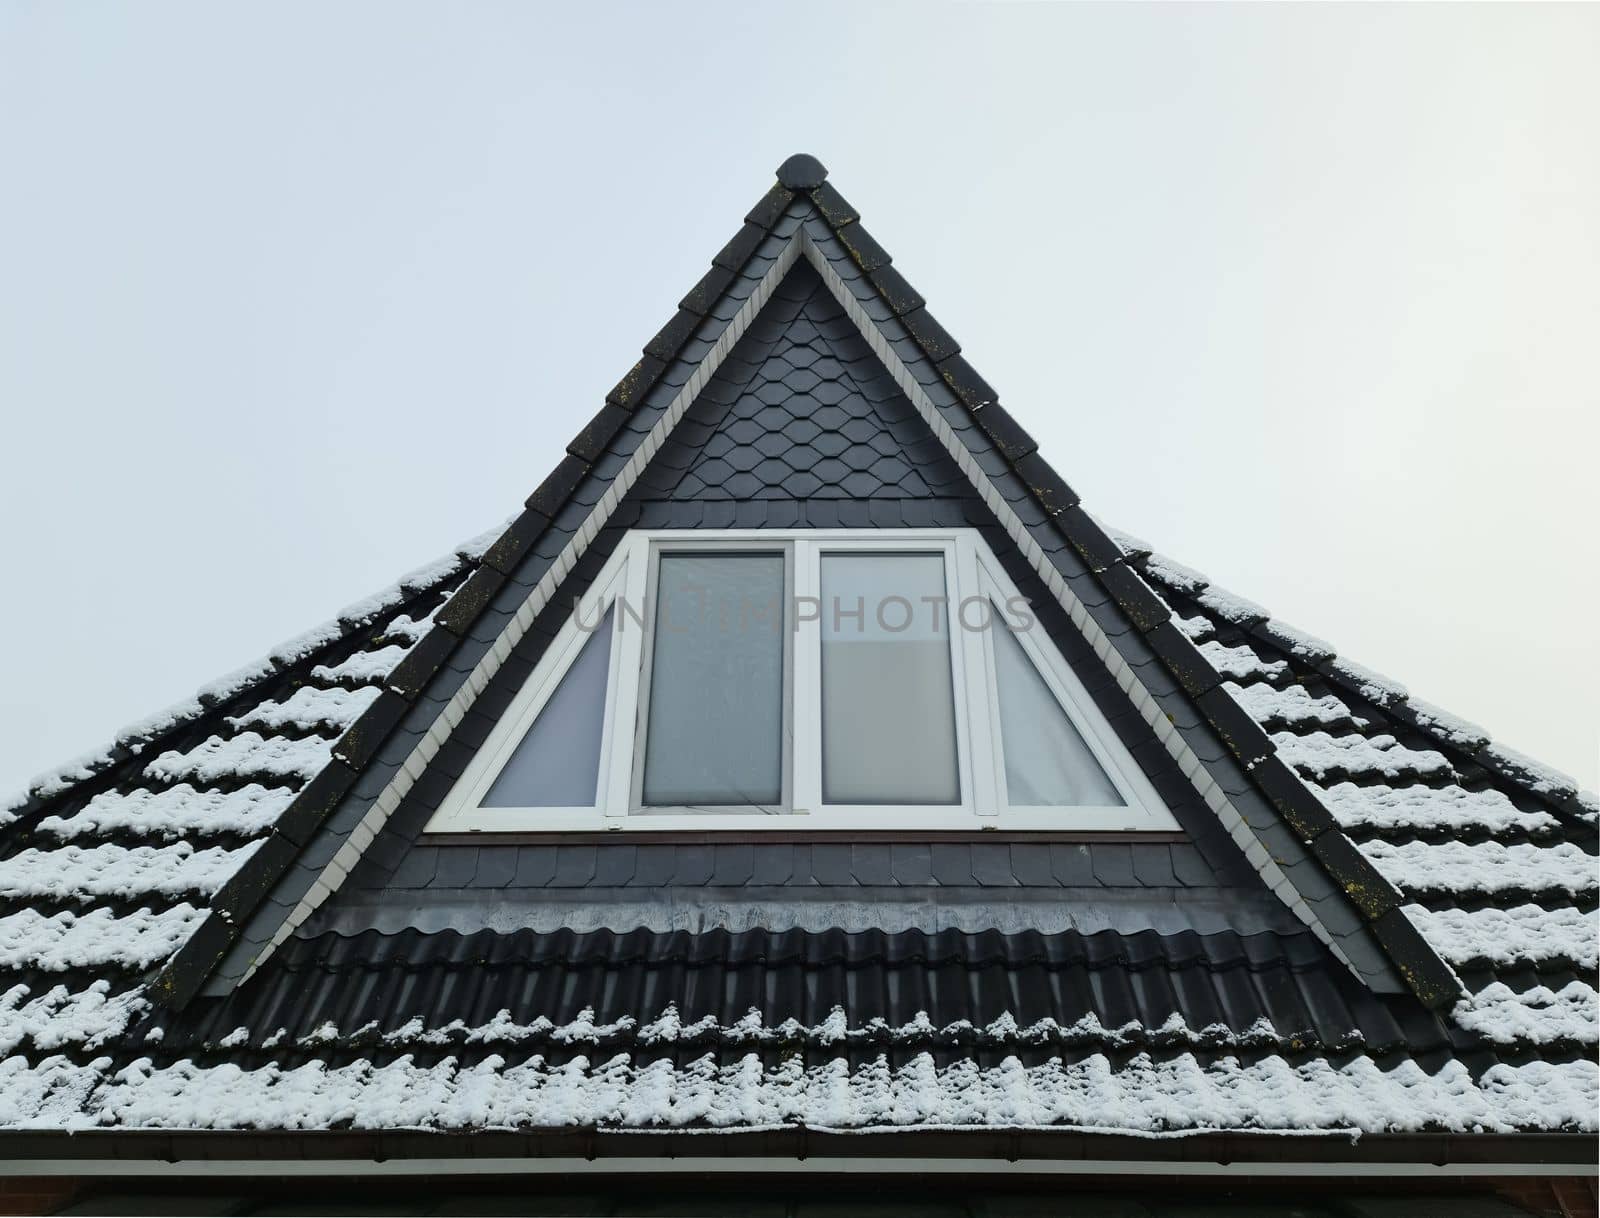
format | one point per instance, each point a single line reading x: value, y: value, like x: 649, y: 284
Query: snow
x: 412, y: 629
x: 669, y: 1028
x: 76, y: 872
x: 1373, y: 686
x: 474, y: 548
x: 1292, y: 705
x: 1527, y: 934
x: 1298, y: 643
x: 60, y: 1017
x: 1424, y: 808
x: 309, y: 708
x: 1139, y: 1095
x: 1485, y: 867
x: 1541, y: 779
x: 1231, y: 608
x: 179, y: 811
x: 53, y: 782
x: 1175, y: 575
x: 1319, y: 754
x: 292, y: 651
x: 249, y: 754
x: 1240, y: 662
x: 137, y: 734
x: 1452, y: 728
x: 57, y: 942
x: 1129, y: 544
x: 364, y: 666
x: 1539, y: 1016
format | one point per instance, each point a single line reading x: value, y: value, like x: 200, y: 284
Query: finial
x: 802, y: 171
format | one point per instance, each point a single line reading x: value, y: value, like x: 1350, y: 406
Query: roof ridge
x: 1438, y: 725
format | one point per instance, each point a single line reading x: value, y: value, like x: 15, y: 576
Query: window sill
x: 673, y: 837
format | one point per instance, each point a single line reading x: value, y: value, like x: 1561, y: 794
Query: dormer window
x: 818, y: 679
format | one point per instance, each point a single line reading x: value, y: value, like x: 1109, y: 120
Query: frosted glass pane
x: 557, y: 765
x: 1047, y: 762
x: 888, y: 705
x: 715, y: 732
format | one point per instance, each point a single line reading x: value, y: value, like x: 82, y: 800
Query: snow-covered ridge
x: 98, y: 939
x: 1485, y: 867
x: 1319, y: 754
x: 77, y: 872
x: 1539, y: 778
x: 1528, y: 934
x: 1430, y: 808
x: 1142, y: 1095
x: 179, y: 811
x: 136, y: 736
x: 1538, y: 1016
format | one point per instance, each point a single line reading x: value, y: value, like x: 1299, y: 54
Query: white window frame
x: 624, y: 587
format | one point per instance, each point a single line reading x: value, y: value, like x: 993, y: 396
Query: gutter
x: 802, y: 1151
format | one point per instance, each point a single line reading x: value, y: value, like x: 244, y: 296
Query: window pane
x: 1047, y: 762
x: 715, y: 732
x: 888, y: 707
x: 557, y: 765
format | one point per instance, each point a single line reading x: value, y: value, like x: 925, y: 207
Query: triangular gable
x: 1283, y: 829
x: 1125, y: 621
x: 802, y: 413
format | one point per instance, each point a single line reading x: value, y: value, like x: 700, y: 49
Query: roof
x: 1374, y: 918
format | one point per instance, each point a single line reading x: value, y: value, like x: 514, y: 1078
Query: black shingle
x: 454, y: 867
x: 1113, y: 864
x: 952, y: 864
x: 694, y: 864
x: 911, y: 863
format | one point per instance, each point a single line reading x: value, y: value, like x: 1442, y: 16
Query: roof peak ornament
x: 802, y: 171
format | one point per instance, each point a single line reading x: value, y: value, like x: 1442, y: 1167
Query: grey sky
x: 294, y: 297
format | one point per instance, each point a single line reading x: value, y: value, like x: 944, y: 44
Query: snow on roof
x: 1143, y: 1094
x: 177, y: 811
x: 102, y: 886
x: 1525, y: 934
x: 1319, y: 753
x: 352, y: 618
x: 1423, y: 808
x: 1398, y: 775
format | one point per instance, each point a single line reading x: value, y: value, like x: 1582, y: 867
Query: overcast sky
x: 295, y: 297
